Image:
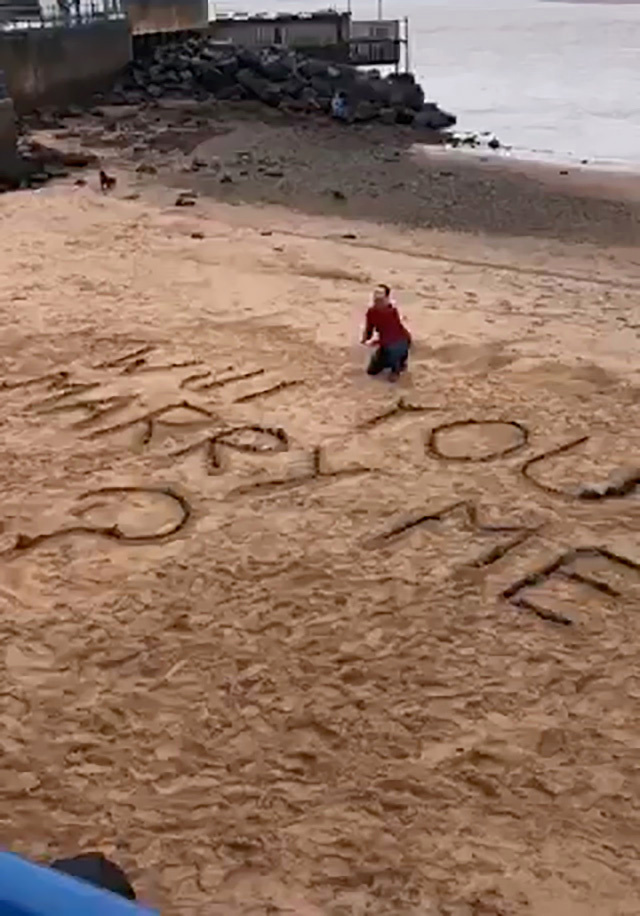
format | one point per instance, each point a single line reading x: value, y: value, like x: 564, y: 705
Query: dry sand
x: 291, y: 705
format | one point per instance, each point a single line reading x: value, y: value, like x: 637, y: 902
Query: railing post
x: 407, y: 50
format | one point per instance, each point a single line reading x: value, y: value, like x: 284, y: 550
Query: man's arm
x: 369, y: 328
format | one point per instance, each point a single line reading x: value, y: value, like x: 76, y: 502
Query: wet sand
x: 240, y: 153
x: 278, y: 651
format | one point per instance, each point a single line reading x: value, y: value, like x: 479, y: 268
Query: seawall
x: 61, y: 64
x: 7, y: 134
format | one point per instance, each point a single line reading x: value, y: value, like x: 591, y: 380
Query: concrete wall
x: 166, y: 15
x: 7, y: 134
x: 60, y: 64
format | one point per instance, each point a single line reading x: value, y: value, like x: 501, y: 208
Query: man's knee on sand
x: 394, y: 358
x: 376, y: 363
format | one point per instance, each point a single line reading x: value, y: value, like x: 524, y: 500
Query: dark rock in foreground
x: 202, y: 68
x: 35, y: 164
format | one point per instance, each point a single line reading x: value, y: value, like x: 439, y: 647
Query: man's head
x: 381, y: 294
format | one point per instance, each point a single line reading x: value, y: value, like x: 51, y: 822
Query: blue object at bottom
x: 33, y: 890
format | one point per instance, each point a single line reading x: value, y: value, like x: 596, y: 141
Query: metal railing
x: 66, y: 14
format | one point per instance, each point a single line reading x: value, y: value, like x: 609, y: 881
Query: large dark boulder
x: 276, y: 67
x: 248, y: 59
x: 259, y: 87
x: 404, y: 92
x: 154, y: 72
x: 322, y: 87
x: 433, y: 118
x: 364, y: 89
x: 310, y: 68
x: 365, y: 111
x: 182, y: 62
x: 379, y: 91
x: 310, y: 99
x: 211, y: 78
x: 227, y: 64
x: 342, y: 74
x: 388, y: 116
x: 293, y: 87
x: 405, y: 116
x: 231, y: 93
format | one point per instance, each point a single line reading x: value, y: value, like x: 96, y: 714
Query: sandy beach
x: 281, y: 638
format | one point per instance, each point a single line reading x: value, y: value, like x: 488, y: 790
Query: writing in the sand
x: 572, y: 581
x: 97, y: 405
x: 106, y: 401
x: 509, y: 536
x: 116, y: 385
x: 117, y: 514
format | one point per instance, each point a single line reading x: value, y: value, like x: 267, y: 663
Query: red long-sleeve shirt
x: 386, y: 321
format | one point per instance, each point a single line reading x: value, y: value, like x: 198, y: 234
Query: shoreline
x: 619, y: 182
x: 246, y: 153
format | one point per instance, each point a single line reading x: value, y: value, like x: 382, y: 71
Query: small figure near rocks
x: 340, y: 106
x: 494, y: 143
x: 393, y: 340
x: 107, y: 182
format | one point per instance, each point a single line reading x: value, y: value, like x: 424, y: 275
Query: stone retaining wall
x: 7, y: 133
x: 61, y: 64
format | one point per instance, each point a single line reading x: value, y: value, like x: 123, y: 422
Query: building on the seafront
x: 19, y: 10
x: 145, y: 16
x: 377, y: 41
x: 327, y: 33
x: 23, y: 14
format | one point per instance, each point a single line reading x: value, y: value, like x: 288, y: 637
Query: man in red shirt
x: 393, y: 338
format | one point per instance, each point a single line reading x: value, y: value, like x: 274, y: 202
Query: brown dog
x: 107, y: 183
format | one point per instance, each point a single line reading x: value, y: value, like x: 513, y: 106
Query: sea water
x: 551, y: 80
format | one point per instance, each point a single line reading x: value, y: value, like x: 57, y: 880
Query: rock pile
x: 202, y: 68
x: 35, y: 164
